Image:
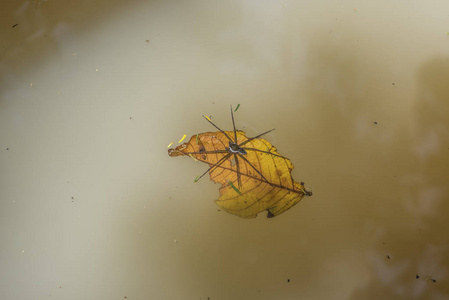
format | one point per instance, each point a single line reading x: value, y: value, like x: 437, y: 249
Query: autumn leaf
x: 254, y: 177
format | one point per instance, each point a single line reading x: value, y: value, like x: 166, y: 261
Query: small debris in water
x: 288, y: 280
x: 235, y: 189
x: 375, y: 123
x: 392, y: 83
x: 388, y: 256
x: 427, y: 278
x: 183, y: 137
x: 238, y: 105
x: 14, y: 25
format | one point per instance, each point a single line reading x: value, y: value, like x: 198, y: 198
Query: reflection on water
x: 91, y: 93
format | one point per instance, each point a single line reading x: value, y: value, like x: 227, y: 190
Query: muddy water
x: 92, y: 207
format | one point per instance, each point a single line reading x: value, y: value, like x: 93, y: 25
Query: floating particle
x: 375, y: 123
x: 235, y: 189
x: 14, y: 25
x: 170, y: 144
x: 183, y: 137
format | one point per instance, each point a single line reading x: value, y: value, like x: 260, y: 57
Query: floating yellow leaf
x: 254, y: 177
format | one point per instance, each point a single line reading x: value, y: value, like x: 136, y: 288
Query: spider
x: 235, y: 151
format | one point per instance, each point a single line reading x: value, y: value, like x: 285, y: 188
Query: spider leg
x: 217, y: 128
x: 244, y: 158
x: 257, y: 136
x: 216, y: 165
x: 233, y: 124
x: 267, y: 152
x: 206, y: 152
x: 239, y: 179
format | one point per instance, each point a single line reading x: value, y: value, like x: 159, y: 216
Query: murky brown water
x: 92, y: 207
